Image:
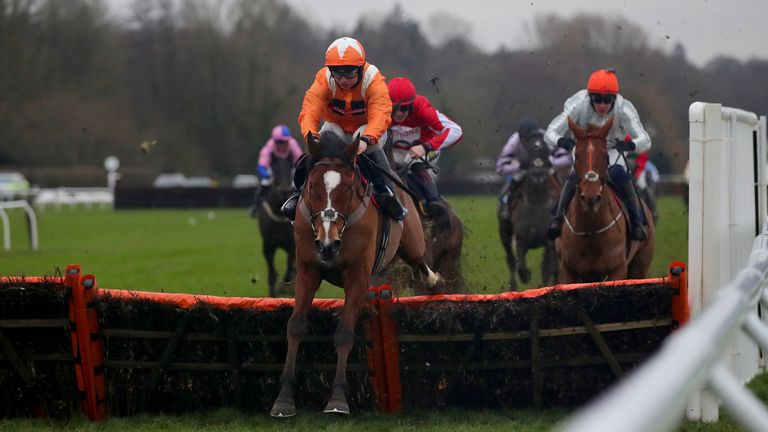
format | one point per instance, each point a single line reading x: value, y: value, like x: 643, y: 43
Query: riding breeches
x: 622, y: 183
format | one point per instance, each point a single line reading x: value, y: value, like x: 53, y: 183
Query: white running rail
x: 654, y: 398
x: 31, y: 218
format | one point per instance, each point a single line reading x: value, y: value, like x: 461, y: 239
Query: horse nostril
x: 318, y: 245
x: 336, y: 246
x: 582, y: 197
x: 598, y: 198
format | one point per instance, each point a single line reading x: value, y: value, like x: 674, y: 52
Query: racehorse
x: 524, y: 223
x: 276, y: 230
x: 595, y: 244
x: 444, y: 236
x: 338, y: 239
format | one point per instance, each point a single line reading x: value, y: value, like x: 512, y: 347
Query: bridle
x: 330, y: 215
x: 592, y: 176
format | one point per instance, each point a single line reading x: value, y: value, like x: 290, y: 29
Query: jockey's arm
x: 561, y: 158
x: 507, y: 163
x: 315, y: 100
x: 379, y: 108
x: 447, y: 132
x: 558, y: 127
x: 631, y: 121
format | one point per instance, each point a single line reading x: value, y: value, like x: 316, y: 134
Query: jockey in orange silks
x: 349, y: 95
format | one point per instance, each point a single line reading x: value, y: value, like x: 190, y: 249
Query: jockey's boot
x: 299, y: 177
x: 504, y: 197
x: 434, y: 205
x: 556, y: 226
x: 289, y: 207
x: 627, y: 193
x: 384, y: 187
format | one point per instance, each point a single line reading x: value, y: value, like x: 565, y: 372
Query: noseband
x: 330, y: 215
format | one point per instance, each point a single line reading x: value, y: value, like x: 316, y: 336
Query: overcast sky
x: 706, y: 28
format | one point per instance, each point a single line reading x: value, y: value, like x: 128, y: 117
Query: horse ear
x: 603, y: 131
x: 312, y: 145
x: 350, y: 151
x: 578, y: 132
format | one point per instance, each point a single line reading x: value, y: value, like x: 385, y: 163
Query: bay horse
x: 444, y: 236
x: 595, y: 244
x: 524, y: 225
x: 337, y: 232
x: 276, y: 230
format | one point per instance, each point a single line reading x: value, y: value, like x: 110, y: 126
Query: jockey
x: 594, y: 105
x: 417, y: 131
x: 350, y: 96
x: 514, y: 159
x: 280, y: 145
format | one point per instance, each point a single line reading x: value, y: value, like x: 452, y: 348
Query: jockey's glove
x: 625, y: 145
x: 566, y: 143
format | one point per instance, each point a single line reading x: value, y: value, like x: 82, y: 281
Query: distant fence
x: 149, y: 197
x: 134, y: 352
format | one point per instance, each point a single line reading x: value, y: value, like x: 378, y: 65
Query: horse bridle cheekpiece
x: 330, y: 215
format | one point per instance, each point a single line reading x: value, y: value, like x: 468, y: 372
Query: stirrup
x: 390, y: 204
x: 289, y: 207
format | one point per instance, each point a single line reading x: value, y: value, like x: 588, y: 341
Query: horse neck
x: 538, y: 194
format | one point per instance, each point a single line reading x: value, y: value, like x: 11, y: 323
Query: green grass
x: 219, y: 251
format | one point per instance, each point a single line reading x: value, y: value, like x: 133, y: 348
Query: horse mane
x: 330, y: 145
x: 591, y: 130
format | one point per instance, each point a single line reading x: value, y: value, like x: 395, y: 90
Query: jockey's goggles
x: 404, y: 108
x: 602, y: 98
x: 344, y: 72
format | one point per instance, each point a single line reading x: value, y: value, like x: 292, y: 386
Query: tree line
x: 207, y: 81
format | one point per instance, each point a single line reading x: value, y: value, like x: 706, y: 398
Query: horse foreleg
x: 505, y: 233
x: 549, y: 265
x: 269, y: 256
x: 306, y: 285
x: 522, y: 266
x: 344, y: 339
x: 290, y: 267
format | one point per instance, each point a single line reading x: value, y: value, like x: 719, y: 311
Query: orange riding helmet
x: 345, y: 51
x: 603, y: 81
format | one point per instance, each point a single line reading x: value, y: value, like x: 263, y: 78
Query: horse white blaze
x: 331, y: 180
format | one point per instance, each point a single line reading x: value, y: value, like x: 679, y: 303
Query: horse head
x: 591, y: 164
x: 282, y: 172
x: 332, y: 195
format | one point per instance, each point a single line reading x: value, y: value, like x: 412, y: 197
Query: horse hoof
x: 283, y: 409
x: 337, y: 407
